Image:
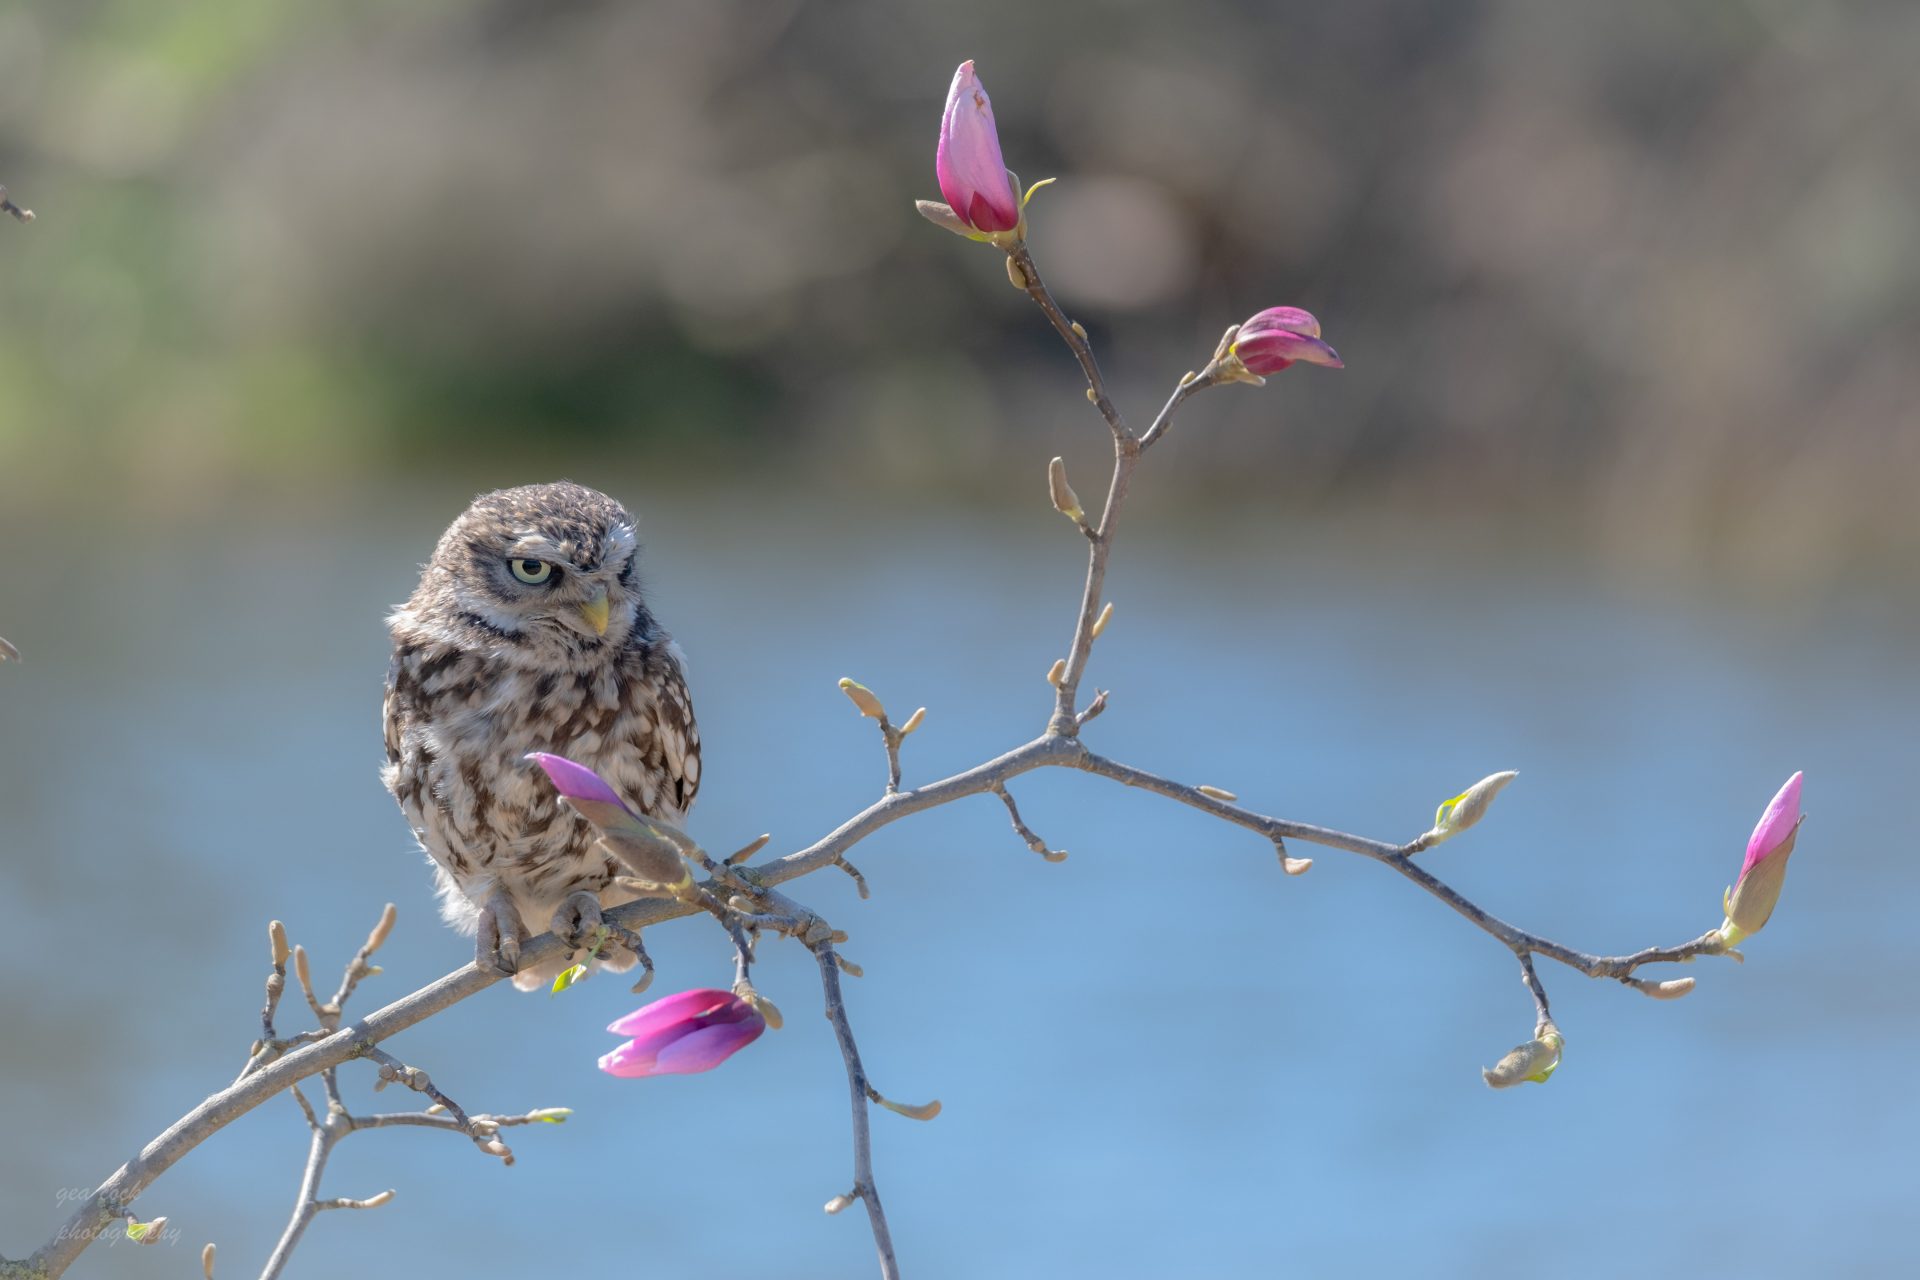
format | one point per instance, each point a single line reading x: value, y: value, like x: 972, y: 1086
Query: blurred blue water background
x: 1158, y: 1058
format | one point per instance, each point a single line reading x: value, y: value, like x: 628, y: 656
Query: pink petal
x: 1775, y: 825
x: 627, y: 1063
x: 576, y: 781
x: 1275, y: 349
x: 707, y: 1048
x: 968, y: 162
x: 1289, y: 319
x: 669, y: 1010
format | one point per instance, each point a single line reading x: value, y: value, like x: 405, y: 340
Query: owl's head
x: 544, y: 571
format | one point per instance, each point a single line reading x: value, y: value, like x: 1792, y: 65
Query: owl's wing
x: 390, y: 709
x: 677, y: 739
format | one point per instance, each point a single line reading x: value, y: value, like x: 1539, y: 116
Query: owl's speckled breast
x: 464, y: 723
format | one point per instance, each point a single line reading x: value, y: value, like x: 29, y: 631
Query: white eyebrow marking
x: 537, y: 546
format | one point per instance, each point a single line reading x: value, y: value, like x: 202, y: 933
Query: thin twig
x: 1025, y: 832
x: 358, y: 968
x: 1192, y: 384
x: 859, y: 1089
x: 337, y: 1125
x: 306, y: 1108
x: 429, y: 1120
x: 1534, y: 989
x: 307, y: 1205
x: 891, y: 737
x: 396, y: 1071
x: 1021, y: 261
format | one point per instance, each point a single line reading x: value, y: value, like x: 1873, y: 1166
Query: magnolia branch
x: 743, y: 896
x: 1051, y: 750
x: 292, y: 1063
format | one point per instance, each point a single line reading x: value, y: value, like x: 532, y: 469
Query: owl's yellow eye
x: 531, y: 572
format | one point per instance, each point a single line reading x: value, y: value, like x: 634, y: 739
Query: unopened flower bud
x: 1456, y: 815
x: 766, y: 1008
x: 1671, y: 989
x: 840, y: 1202
x: 1295, y: 866
x: 206, y: 1261
x: 1100, y: 623
x: 913, y: 722
x: 925, y: 1111
x: 1749, y: 903
x: 381, y: 929
x: 626, y: 835
x: 688, y: 1032
x: 754, y: 846
x: 971, y: 170
x: 863, y: 698
x: 1216, y: 793
x: 1277, y: 337
x: 1536, y: 1060
x: 1065, y: 500
x: 1057, y: 672
x: 859, y: 881
x: 277, y: 942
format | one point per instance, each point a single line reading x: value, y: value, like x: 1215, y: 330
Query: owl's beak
x: 595, y: 611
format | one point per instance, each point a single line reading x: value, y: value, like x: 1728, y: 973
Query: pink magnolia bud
x: 1751, y: 901
x: 626, y: 834
x: 682, y: 1034
x: 973, y: 176
x: 1277, y: 337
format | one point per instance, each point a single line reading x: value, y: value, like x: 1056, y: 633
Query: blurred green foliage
x: 1649, y: 271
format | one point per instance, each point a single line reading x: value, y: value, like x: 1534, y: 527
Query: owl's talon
x: 576, y: 919
x: 496, y: 943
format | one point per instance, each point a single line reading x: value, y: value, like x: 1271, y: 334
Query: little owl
x: 529, y: 632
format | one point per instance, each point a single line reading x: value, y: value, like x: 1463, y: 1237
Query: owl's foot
x: 496, y: 943
x: 581, y: 924
x: 575, y: 919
